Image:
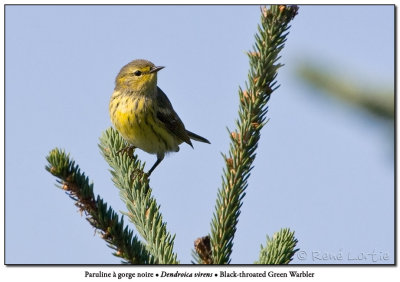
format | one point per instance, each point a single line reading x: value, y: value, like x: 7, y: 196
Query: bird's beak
x: 156, y: 69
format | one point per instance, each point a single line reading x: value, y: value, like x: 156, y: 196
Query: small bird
x: 143, y: 115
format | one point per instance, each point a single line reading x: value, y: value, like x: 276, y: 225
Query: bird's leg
x: 160, y: 157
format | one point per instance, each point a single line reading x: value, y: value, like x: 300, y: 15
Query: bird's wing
x: 166, y: 115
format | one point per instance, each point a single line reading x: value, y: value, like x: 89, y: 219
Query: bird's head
x: 138, y: 76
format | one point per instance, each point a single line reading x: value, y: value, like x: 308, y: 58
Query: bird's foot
x: 127, y: 150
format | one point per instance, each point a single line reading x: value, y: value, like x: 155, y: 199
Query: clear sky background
x: 323, y: 168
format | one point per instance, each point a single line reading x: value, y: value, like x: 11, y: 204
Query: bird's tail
x: 197, y: 137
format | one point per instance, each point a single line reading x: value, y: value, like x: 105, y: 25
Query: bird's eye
x: 137, y: 73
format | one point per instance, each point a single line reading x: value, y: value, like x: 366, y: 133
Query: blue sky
x: 323, y: 169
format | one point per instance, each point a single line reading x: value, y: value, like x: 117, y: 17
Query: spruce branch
x: 143, y: 211
x: 280, y: 249
x: 376, y: 100
x: 202, y: 250
x: 263, y: 59
x: 100, y: 216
